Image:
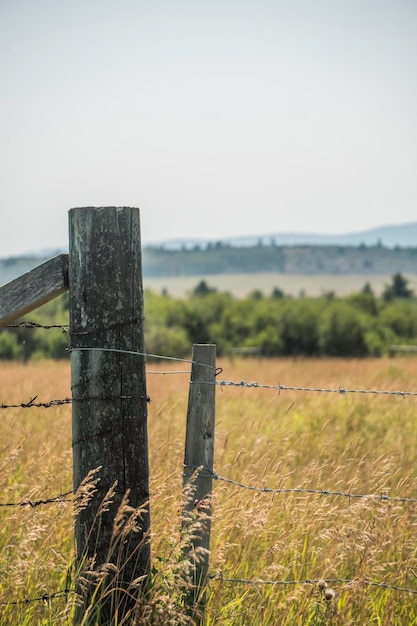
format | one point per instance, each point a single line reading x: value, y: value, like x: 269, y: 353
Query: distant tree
x: 277, y: 293
x: 256, y: 294
x: 397, y: 289
x: 365, y: 300
x: 367, y: 289
x: 202, y: 289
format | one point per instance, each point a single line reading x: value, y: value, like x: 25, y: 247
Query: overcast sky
x: 216, y: 118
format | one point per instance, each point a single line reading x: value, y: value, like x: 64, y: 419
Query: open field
x: 357, y: 444
x: 292, y: 284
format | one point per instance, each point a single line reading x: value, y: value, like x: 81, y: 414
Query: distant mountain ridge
x: 404, y: 236
x: 390, y: 236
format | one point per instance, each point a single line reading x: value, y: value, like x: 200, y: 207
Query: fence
x: 109, y: 400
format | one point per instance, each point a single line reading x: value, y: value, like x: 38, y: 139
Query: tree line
x: 221, y: 258
x: 273, y: 324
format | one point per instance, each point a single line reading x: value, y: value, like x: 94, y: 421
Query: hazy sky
x: 216, y: 118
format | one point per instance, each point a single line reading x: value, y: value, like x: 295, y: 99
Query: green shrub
x: 401, y: 317
x: 342, y: 331
x: 9, y: 346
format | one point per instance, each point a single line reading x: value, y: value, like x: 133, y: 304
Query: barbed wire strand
x: 145, y: 354
x: 61, y: 497
x: 308, y: 581
x: 46, y: 597
x: 341, y: 390
x: 240, y: 581
x: 63, y: 327
x: 46, y: 405
x: 222, y: 383
x: 32, y: 404
x: 298, y: 490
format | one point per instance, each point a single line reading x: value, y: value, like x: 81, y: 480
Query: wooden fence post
x: 199, y: 451
x: 109, y: 402
x: 30, y: 291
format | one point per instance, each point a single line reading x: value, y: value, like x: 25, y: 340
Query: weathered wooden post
x: 199, y: 452
x: 109, y: 403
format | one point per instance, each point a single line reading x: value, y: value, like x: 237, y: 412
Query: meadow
x: 358, y: 444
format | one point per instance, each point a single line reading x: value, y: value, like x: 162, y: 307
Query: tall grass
x: 360, y: 444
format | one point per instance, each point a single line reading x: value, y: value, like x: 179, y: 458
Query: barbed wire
x: 222, y: 383
x: 46, y: 597
x: 297, y: 490
x: 310, y: 581
x: 217, y: 370
x: 61, y: 497
x: 340, y: 390
x: 46, y: 405
x: 32, y: 404
x: 63, y: 327
x: 219, y: 577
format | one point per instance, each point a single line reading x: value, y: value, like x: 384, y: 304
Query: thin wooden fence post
x: 198, y: 465
x: 109, y: 407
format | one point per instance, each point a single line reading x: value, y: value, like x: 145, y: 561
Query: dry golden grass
x: 36, y: 543
x: 361, y: 444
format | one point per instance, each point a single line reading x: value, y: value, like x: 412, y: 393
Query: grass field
x: 241, y: 285
x: 352, y: 443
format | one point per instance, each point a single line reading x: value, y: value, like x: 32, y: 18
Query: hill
x: 402, y: 235
x: 382, y: 250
